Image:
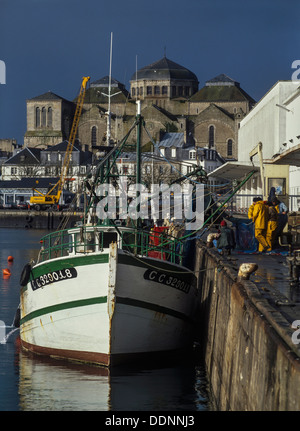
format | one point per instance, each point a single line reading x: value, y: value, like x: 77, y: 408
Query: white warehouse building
x: 270, y: 132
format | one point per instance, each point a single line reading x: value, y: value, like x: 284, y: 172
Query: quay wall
x: 37, y: 219
x: 251, y: 361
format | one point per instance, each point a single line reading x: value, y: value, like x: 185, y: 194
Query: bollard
x: 246, y: 269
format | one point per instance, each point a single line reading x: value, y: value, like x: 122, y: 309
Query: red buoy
x: 6, y: 271
x: 10, y: 259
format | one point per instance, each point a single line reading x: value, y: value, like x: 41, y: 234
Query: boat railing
x: 156, y: 244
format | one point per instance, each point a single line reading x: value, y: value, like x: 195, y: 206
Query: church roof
x: 48, y: 96
x: 104, y: 82
x: 222, y: 79
x: 98, y: 91
x: 164, y: 69
x: 221, y: 89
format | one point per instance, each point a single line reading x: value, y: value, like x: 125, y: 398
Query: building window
x: 164, y: 89
x: 37, y: 117
x: 173, y: 152
x: 192, y: 155
x: 156, y: 89
x: 187, y: 91
x: 180, y: 91
x: 14, y: 171
x: 133, y: 92
x: 229, y: 147
x: 50, y: 117
x: 94, y: 136
x: 173, y: 91
x: 149, y: 90
x: 44, y: 117
x: 162, y: 151
x: 141, y: 91
x: 211, y: 137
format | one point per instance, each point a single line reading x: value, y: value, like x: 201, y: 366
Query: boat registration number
x: 169, y: 280
x: 53, y: 277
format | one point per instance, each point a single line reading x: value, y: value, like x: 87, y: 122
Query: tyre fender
x: 25, y: 274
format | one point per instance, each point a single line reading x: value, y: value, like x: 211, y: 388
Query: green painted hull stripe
x: 63, y: 306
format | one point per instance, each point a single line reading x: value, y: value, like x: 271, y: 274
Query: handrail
x: 90, y: 239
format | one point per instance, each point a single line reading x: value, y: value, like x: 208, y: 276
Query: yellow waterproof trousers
x: 260, y: 235
x: 270, y: 235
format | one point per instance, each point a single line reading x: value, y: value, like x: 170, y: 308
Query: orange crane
x: 51, y: 198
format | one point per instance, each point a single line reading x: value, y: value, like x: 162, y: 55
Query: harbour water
x: 34, y: 383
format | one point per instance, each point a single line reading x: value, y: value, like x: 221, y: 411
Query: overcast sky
x: 51, y: 44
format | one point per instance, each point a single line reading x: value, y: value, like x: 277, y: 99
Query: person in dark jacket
x: 226, y: 239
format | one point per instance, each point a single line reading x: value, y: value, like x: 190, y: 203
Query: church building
x: 170, y: 102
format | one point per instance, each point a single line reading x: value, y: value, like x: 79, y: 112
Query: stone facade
x: 49, y: 120
x: 170, y: 102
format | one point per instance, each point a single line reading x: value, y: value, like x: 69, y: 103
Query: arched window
x: 94, y: 136
x: 37, y: 117
x: 211, y: 137
x: 50, y: 117
x: 229, y: 147
x: 44, y: 115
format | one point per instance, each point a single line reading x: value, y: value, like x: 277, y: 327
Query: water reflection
x: 50, y: 384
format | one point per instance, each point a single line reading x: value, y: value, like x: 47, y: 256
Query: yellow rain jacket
x: 260, y: 215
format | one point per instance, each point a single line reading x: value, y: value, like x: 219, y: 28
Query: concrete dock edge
x: 251, y: 360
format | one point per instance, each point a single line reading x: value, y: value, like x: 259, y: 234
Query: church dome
x: 164, y: 69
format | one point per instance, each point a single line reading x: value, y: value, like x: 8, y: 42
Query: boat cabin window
x: 106, y: 238
x: 84, y: 242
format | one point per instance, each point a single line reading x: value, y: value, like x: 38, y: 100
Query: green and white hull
x: 107, y: 306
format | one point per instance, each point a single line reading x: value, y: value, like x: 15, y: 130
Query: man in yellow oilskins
x: 260, y: 217
x: 272, y: 225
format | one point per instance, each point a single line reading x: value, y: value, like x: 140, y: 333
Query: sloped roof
x: 221, y: 89
x: 28, y: 156
x: 62, y: 146
x: 222, y: 79
x: 29, y: 183
x: 104, y: 82
x: 172, y: 140
x: 164, y: 69
x: 94, y: 94
x: 49, y: 96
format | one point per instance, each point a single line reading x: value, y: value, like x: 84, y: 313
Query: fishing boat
x: 106, y: 292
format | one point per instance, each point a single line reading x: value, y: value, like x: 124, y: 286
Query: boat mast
x: 138, y: 143
x: 109, y: 95
x: 138, y: 157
